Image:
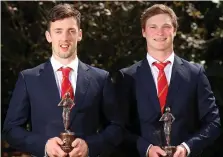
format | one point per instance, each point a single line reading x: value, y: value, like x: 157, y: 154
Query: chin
x: 160, y: 48
x: 65, y: 55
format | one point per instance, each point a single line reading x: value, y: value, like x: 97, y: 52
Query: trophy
x: 168, y: 119
x: 67, y: 137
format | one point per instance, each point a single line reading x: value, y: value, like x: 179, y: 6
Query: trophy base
x: 67, y: 138
x: 170, y: 150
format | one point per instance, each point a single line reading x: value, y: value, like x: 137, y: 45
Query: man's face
x: 64, y: 35
x: 159, y: 33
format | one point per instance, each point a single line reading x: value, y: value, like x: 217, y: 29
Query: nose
x: 65, y: 36
x: 160, y: 31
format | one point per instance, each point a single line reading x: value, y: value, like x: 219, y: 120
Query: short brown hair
x: 158, y: 9
x: 62, y: 11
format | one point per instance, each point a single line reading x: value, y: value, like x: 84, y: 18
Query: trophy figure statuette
x: 67, y: 136
x: 168, y: 119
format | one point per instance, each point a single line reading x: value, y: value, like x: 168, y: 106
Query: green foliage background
x: 111, y: 39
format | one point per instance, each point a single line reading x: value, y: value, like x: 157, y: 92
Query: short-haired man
x: 163, y: 80
x: 94, y: 118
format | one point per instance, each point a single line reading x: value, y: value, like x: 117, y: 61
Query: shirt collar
x: 57, y: 65
x: 151, y: 60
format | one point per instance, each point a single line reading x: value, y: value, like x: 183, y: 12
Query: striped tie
x: 162, y: 84
x: 66, y: 84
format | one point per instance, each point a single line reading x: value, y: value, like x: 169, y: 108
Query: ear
x: 48, y: 36
x: 143, y: 32
x: 79, y: 38
x: 175, y: 33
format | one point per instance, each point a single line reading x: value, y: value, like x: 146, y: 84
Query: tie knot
x: 65, y: 71
x: 161, y: 65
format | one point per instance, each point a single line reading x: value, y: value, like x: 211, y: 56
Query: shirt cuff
x: 187, y: 148
x: 147, y: 152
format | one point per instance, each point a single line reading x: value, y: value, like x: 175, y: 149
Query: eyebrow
x: 62, y: 29
x: 154, y: 25
x: 59, y: 29
x: 71, y: 29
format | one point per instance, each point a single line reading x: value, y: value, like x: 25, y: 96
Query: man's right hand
x: 156, y: 151
x: 53, y: 148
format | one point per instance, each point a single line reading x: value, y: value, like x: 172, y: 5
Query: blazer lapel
x: 81, y: 88
x: 47, y: 79
x: 147, y: 83
x: 176, y: 78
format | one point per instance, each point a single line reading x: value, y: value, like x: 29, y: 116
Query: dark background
x: 111, y: 40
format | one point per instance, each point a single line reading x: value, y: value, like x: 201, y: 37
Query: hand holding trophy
x: 168, y: 119
x: 67, y: 137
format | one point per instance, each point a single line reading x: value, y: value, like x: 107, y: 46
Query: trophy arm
x: 71, y: 104
x: 61, y: 103
x: 173, y: 118
x: 162, y: 118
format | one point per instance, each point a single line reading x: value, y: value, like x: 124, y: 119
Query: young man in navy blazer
x: 160, y: 80
x: 94, y: 118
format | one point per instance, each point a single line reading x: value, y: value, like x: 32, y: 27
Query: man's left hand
x: 80, y: 148
x: 180, y: 151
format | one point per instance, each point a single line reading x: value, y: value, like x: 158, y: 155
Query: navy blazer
x: 95, y: 116
x: 189, y: 96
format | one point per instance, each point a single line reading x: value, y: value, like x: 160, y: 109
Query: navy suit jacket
x: 189, y: 96
x: 94, y: 117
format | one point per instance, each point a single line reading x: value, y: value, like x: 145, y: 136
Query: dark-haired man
x: 94, y: 117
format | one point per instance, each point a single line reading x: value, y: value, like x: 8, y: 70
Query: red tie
x: 162, y: 84
x: 66, y: 85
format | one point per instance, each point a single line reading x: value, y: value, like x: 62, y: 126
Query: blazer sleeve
x: 112, y: 134
x: 208, y: 115
x: 127, y: 101
x: 18, y: 115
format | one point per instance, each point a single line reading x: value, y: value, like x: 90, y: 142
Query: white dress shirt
x: 155, y: 70
x: 168, y: 72
x: 58, y: 73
